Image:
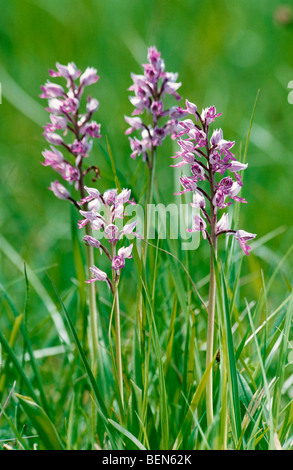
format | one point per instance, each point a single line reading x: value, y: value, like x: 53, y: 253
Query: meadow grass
x: 50, y: 396
x: 59, y: 400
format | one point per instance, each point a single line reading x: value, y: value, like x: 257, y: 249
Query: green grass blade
x: 223, y: 303
x: 79, y: 270
x: 92, y: 381
x: 223, y: 431
x: 200, y: 390
x: 266, y: 385
x: 164, y: 415
x: 250, y: 127
x: 21, y: 100
x: 16, y: 259
x: 282, y: 355
x: 127, y: 434
x: 13, y: 337
x: 42, y: 423
x: 114, y: 366
x: 232, y: 359
x: 170, y: 337
x: 18, y: 366
x: 99, y: 399
x: 29, y: 350
x: 18, y: 436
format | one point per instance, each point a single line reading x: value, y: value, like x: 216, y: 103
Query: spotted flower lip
x: 198, y: 200
x: 243, y: 237
x: 198, y: 171
x: 118, y: 261
x: 198, y: 136
x: 199, y: 225
x: 208, y: 115
x: 139, y: 147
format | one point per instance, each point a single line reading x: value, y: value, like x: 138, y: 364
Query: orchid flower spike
x: 150, y: 90
x: 68, y: 119
x: 215, y: 178
x: 107, y: 208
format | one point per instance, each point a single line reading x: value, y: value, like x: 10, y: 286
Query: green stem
x: 212, y: 301
x: 223, y: 435
x: 93, y: 322
x: 210, y: 339
x: 117, y: 331
x: 145, y: 362
x: 118, y: 344
x: 90, y: 261
x: 149, y: 199
x: 93, y: 313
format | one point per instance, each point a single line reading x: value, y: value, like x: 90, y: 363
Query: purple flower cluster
x: 149, y: 91
x: 208, y: 157
x: 65, y: 117
x: 103, y: 211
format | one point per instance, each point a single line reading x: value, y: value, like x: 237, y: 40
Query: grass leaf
x: 42, y: 423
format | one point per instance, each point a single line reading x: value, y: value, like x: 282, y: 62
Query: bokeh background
x: 224, y: 51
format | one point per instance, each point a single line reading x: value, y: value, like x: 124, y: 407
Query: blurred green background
x: 223, y: 50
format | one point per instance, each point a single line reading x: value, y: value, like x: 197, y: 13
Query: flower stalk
x: 209, y: 157
x: 150, y: 90
x: 64, y: 106
x: 93, y: 313
x: 115, y: 283
x: 212, y: 303
x: 103, y: 214
x: 149, y: 199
